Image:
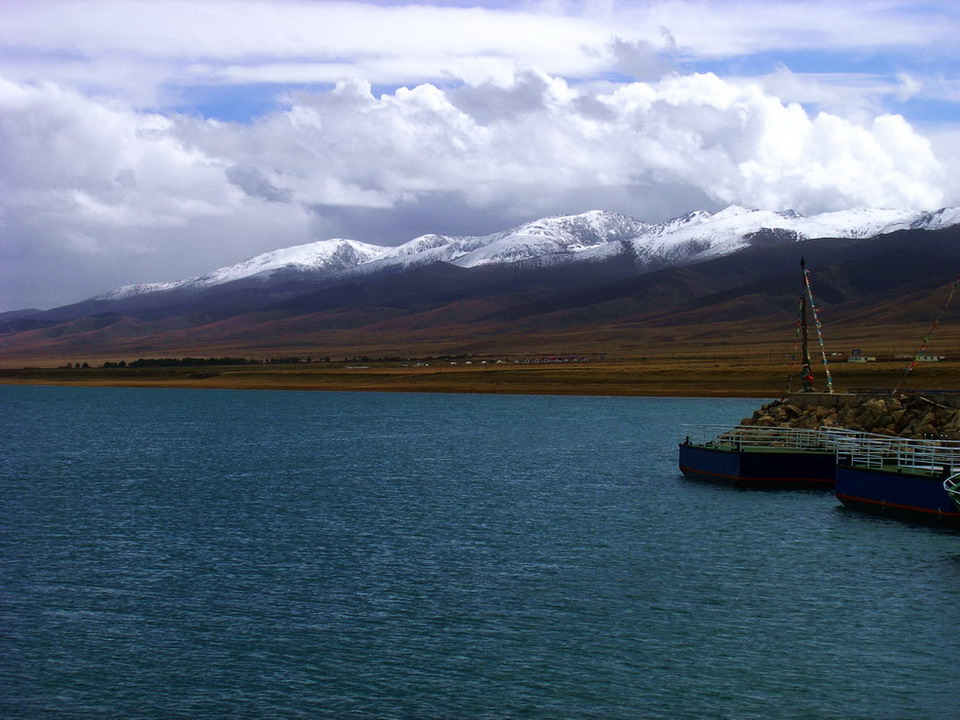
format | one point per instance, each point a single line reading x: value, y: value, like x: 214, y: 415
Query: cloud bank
x: 88, y: 182
x: 144, y: 51
x: 153, y: 141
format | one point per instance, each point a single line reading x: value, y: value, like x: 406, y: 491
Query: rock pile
x: 895, y: 415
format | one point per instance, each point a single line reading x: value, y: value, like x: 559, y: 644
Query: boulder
x: 901, y: 415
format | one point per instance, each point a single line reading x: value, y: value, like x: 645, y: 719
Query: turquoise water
x: 219, y: 554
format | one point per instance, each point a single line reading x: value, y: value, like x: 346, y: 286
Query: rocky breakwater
x: 894, y: 415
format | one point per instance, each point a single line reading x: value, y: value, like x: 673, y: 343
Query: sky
x: 155, y: 141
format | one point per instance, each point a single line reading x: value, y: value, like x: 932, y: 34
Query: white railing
x: 879, y: 451
x: 753, y: 437
x: 952, y: 486
x: 852, y: 447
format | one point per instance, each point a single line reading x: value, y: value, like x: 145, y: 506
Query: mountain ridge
x: 590, y: 236
x: 740, y: 281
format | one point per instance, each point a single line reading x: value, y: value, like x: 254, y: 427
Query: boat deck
x: 904, y: 476
x: 746, y: 456
x: 892, y: 466
x: 730, y: 447
x: 756, y: 438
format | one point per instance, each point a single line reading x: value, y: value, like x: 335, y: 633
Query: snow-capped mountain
x: 548, y: 237
x: 594, y: 235
x: 325, y: 256
x: 596, y: 280
x: 700, y: 235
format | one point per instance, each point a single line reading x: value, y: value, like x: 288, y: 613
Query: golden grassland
x: 758, y: 376
x: 739, y: 360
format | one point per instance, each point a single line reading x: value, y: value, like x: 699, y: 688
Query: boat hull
x: 758, y: 468
x: 905, y: 494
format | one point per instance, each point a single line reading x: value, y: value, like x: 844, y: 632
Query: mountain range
x: 576, y: 283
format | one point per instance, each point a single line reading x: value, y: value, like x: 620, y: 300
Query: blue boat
x: 915, y: 478
x: 766, y: 456
x: 758, y: 456
x: 905, y: 477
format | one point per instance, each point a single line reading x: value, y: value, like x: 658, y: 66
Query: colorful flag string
x: 816, y: 322
x: 794, y: 363
x: 926, y: 338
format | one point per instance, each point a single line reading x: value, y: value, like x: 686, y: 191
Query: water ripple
x: 182, y: 554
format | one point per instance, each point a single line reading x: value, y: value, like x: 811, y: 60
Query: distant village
x: 857, y: 356
x: 351, y: 363
x: 361, y: 362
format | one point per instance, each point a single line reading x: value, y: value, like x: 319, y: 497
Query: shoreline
x: 680, y: 377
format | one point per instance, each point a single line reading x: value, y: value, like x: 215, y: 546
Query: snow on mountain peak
x: 592, y: 235
x: 126, y: 291
x: 699, y: 236
x: 418, y: 245
x: 944, y: 217
x: 332, y: 255
x: 329, y: 255
x: 561, y: 235
x: 731, y: 211
x: 546, y: 237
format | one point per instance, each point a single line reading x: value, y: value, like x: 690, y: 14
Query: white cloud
x: 502, y: 113
x: 103, y: 164
x: 857, y: 96
x: 138, y: 50
x: 725, y: 29
x: 94, y: 192
x: 125, y: 196
x: 185, y: 42
x: 908, y: 86
x: 946, y: 147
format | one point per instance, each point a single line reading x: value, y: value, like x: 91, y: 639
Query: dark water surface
x: 219, y: 554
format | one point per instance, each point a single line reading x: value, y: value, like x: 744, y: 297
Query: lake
x: 247, y: 554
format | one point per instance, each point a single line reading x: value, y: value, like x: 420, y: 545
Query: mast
x: 806, y: 374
